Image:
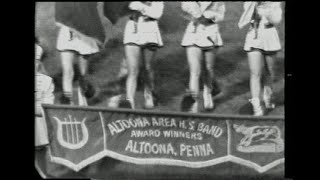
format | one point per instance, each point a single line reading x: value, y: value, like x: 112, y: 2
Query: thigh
x: 194, y: 56
x: 133, y: 57
x: 67, y: 59
x: 256, y: 62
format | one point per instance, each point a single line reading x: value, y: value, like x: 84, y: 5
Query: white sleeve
x: 246, y: 5
x: 136, y: 5
x: 216, y: 14
x: 154, y: 11
x: 275, y: 14
x: 191, y: 8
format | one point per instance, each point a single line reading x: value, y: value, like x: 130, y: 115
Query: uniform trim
x: 203, y: 48
x: 150, y: 46
x: 252, y: 49
x: 77, y: 52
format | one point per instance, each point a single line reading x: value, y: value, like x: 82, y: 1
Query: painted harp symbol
x: 71, y: 133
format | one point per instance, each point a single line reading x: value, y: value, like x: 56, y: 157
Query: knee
x: 255, y: 74
x: 272, y: 76
x: 195, y: 74
x: 68, y: 71
x: 209, y: 69
x: 149, y: 68
x: 133, y: 72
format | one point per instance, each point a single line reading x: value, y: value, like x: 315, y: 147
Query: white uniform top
x: 266, y: 37
x: 144, y: 31
x: 71, y: 40
x: 199, y: 34
x: 44, y: 95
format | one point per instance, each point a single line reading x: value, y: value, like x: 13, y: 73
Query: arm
x: 276, y: 14
x: 216, y: 12
x: 154, y: 11
x: 191, y: 8
x: 273, y: 13
x: 246, y: 17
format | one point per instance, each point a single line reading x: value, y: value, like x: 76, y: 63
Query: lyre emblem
x: 71, y: 133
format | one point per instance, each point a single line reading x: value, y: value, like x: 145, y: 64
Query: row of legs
x: 139, y: 60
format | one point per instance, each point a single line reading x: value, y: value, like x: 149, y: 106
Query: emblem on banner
x: 266, y: 139
x: 71, y: 133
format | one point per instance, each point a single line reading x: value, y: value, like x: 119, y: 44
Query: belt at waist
x: 204, y: 21
x: 135, y: 16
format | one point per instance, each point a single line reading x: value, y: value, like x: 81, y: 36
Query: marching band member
x: 44, y: 95
x: 73, y: 46
x: 262, y: 43
x: 201, y: 39
x: 142, y: 38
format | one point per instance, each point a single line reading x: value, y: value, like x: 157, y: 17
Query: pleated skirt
x: 142, y: 33
x: 202, y: 36
x: 266, y: 39
x: 72, y: 41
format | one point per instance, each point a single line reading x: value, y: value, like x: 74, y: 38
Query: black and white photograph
x: 160, y: 90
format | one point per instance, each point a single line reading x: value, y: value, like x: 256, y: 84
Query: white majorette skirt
x: 143, y: 32
x: 41, y: 132
x: 267, y: 39
x: 69, y: 40
x: 203, y: 36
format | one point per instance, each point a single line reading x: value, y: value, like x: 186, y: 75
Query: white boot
x: 148, y: 99
x: 207, y: 98
x: 123, y: 69
x: 257, y: 108
x: 195, y: 107
x: 114, y: 101
x: 267, y: 94
x: 81, y: 98
x: 131, y: 102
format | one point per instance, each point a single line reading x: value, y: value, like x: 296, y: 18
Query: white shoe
x: 207, y: 99
x: 81, y: 98
x: 148, y: 100
x: 123, y: 69
x: 114, y: 101
x: 194, y: 108
x: 257, y: 108
x: 267, y: 95
x: 131, y: 101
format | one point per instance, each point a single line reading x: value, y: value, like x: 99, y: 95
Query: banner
x: 81, y: 136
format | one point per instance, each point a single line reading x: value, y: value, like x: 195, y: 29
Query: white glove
x: 209, y: 14
x: 187, y: 6
x: 136, y: 5
x: 263, y: 11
